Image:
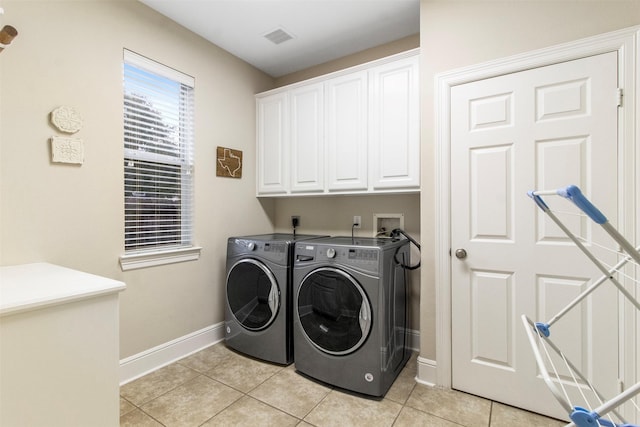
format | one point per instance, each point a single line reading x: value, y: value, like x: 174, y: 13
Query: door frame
x: 626, y: 42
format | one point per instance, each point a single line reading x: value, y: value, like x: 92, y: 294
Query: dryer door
x: 334, y: 311
x: 252, y: 294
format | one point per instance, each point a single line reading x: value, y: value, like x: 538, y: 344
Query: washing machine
x: 350, y: 311
x: 258, y: 313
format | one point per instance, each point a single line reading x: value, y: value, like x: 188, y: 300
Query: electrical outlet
x: 295, y: 221
x: 357, y: 221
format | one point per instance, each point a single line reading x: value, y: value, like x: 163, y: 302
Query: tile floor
x: 218, y: 387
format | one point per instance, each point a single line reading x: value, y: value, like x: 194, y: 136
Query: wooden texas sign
x: 229, y: 162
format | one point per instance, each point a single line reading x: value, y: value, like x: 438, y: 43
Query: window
x: 158, y: 157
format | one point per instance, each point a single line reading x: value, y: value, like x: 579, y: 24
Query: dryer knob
x: 251, y: 246
x: 331, y: 253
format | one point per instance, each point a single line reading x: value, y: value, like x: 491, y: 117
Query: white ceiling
x: 322, y: 30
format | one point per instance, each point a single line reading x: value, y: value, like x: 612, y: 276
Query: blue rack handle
x: 543, y: 328
x: 582, y: 417
x: 574, y: 194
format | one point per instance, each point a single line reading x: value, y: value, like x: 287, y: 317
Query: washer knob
x: 331, y: 253
x: 251, y: 246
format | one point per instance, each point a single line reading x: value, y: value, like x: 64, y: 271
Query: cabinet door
x: 394, y: 129
x: 272, y: 144
x: 347, y: 156
x: 307, y: 138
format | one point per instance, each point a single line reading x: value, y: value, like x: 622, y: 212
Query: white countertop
x: 33, y: 286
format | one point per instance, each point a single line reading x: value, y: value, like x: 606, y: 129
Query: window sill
x: 152, y: 259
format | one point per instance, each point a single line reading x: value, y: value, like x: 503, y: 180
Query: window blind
x: 158, y: 155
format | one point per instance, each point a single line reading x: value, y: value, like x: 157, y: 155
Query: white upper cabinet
x: 347, y: 132
x: 272, y: 144
x: 350, y: 132
x: 394, y: 125
x: 307, y: 138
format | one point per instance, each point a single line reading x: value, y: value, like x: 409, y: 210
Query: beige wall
x: 458, y: 33
x: 388, y: 49
x: 70, y: 53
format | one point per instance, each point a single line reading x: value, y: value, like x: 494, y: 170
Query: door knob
x: 461, y: 253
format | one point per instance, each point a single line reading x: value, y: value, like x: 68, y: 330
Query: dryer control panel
x: 272, y: 251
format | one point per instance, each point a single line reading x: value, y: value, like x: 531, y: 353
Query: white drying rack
x: 593, y: 409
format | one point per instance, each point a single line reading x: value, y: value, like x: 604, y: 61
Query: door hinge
x: 619, y: 95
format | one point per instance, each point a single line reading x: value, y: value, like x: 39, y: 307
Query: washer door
x: 334, y: 311
x: 252, y: 294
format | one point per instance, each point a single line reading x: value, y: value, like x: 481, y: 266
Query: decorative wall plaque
x: 229, y: 162
x: 66, y: 119
x: 67, y: 150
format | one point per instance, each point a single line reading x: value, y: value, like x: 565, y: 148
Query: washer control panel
x: 364, y: 258
x: 362, y: 254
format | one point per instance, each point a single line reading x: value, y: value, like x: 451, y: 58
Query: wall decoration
x: 229, y: 162
x: 67, y: 150
x: 66, y: 119
x: 7, y: 34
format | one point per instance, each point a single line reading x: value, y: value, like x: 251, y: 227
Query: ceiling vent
x: 278, y: 36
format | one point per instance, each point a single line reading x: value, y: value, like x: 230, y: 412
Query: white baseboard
x: 427, y: 372
x: 155, y: 358
x: 145, y: 362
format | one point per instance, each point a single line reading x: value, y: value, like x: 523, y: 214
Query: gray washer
x: 258, y: 296
x: 350, y: 311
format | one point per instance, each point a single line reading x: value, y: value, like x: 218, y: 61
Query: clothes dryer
x: 350, y: 311
x: 258, y: 295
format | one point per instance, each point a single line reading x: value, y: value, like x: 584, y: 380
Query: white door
x: 347, y: 132
x: 307, y: 138
x: 272, y: 142
x: 394, y: 125
x: 538, y: 129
